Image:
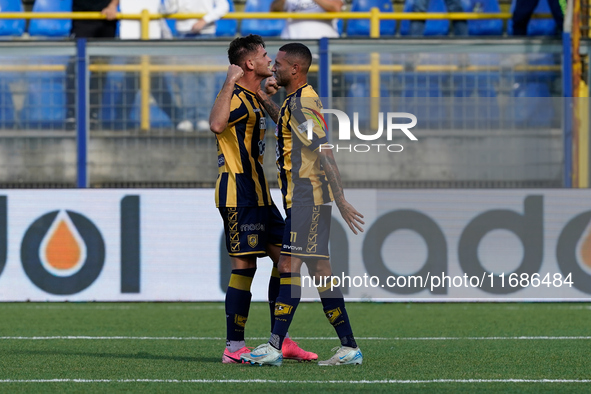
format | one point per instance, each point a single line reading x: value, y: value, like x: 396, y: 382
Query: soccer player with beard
x: 309, y: 180
x: 252, y: 223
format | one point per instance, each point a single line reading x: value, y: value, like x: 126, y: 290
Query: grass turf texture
x: 198, y: 361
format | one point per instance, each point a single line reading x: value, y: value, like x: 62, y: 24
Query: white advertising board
x: 421, y: 245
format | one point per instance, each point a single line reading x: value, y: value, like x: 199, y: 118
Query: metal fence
x: 471, y: 97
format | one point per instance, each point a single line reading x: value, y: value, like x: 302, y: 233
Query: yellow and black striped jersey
x: 301, y: 177
x: 241, y: 180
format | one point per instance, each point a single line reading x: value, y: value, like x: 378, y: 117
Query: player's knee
x: 241, y: 263
x: 320, y: 269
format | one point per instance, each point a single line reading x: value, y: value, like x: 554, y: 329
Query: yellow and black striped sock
x: 238, y: 298
x: 290, y: 292
x: 333, y: 304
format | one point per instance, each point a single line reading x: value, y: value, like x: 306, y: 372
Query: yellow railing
x: 375, y: 16
x: 145, y: 68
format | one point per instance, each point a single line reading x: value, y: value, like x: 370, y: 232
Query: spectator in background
x: 301, y: 29
x: 89, y: 28
x: 160, y: 89
x: 197, y: 90
x: 460, y: 26
x: 524, y: 10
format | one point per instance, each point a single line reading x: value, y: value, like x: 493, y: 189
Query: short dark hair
x: 300, y: 52
x: 242, y: 46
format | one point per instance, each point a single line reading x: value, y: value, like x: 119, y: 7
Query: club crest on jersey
x: 240, y: 320
x: 282, y: 309
x: 253, y: 240
x: 333, y: 314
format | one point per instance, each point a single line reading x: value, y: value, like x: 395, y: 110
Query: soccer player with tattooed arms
x: 252, y: 223
x: 309, y: 180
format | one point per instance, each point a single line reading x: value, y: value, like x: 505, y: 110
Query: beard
x: 280, y: 81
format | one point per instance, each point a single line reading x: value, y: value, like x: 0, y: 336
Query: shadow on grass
x: 135, y: 356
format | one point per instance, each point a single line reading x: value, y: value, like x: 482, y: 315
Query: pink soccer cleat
x: 234, y: 358
x: 292, y: 351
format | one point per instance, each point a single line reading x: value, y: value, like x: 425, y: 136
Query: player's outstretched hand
x: 351, y: 216
x: 271, y: 86
x: 234, y: 73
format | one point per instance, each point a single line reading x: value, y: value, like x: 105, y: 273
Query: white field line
x: 272, y: 381
x: 76, y: 337
x: 259, y: 305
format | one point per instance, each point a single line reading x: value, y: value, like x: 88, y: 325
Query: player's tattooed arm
x: 270, y: 106
x: 348, y: 212
x: 264, y: 97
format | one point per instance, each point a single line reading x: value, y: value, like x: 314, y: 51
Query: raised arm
x: 348, y: 212
x: 220, y: 113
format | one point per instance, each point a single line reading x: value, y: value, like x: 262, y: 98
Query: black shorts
x: 250, y: 229
x: 93, y: 28
x: 307, y: 232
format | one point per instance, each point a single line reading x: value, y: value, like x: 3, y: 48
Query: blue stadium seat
x: 531, y: 106
x: 475, y: 102
x: 483, y: 27
x: 115, y: 116
x: 432, y: 27
x: 262, y: 27
x: 478, y: 83
x: 227, y: 27
x: 7, y: 118
x: 51, y: 27
x: 422, y: 96
x: 357, y: 86
x: 536, y: 27
x: 11, y: 27
x: 45, y: 100
x: 361, y: 27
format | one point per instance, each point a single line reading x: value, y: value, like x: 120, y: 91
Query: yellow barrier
x: 375, y: 16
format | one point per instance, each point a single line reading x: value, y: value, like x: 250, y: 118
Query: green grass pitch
x: 177, y: 347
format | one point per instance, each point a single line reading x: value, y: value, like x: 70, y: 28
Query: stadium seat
x: 478, y: 83
x: 45, y: 100
x: 530, y: 105
x: 51, y: 27
x: 432, y: 27
x: 483, y: 27
x: 475, y: 102
x: 361, y: 27
x: 7, y: 118
x: 262, y: 27
x: 422, y: 96
x: 536, y: 27
x: 227, y: 27
x: 115, y: 116
x: 11, y: 27
x: 357, y: 86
